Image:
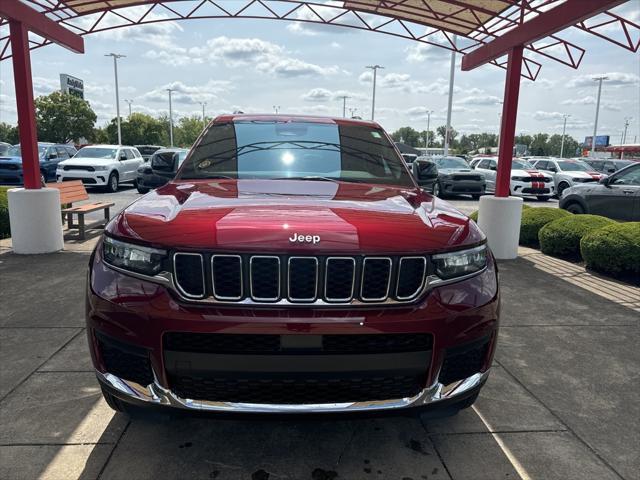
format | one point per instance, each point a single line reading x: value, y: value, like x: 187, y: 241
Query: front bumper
x: 462, y: 187
x: 98, y: 178
x: 11, y: 177
x: 139, y: 313
x: 523, y: 189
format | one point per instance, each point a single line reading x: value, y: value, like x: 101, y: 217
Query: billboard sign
x: 71, y: 85
x: 601, y: 141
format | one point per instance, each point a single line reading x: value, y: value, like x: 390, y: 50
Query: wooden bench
x: 74, y: 191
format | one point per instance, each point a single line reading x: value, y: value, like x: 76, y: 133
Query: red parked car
x: 293, y: 265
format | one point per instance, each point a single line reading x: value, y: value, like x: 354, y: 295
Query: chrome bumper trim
x: 156, y: 394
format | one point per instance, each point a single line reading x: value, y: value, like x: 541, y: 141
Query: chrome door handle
x: 628, y: 191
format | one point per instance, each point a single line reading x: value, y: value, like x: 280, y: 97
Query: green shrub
x: 5, y: 232
x: 533, y: 219
x: 474, y: 215
x: 614, y: 249
x: 561, y: 238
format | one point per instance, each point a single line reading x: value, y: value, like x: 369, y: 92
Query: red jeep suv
x: 293, y: 265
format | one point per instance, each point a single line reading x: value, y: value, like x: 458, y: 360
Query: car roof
x: 170, y: 149
x: 108, y: 146
x: 240, y: 117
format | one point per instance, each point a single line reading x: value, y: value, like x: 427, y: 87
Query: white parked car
x: 102, y: 166
x: 567, y: 172
x: 526, y: 181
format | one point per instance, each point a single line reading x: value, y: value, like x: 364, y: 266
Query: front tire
x: 562, y: 186
x: 575, y: 208
x: 142, y: 190
x: 437, y: 190
x: 112, y: 183
x: 476, y: 196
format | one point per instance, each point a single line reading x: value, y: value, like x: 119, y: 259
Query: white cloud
x: 542, y: 115
x: 615, y: 79
x: 420, y: 52
x: 588, y: 100
x: 479, y: 100
x: 324, y: 95
x: 189, y: 94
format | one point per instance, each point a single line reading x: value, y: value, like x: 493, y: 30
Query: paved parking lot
x: 561, y: 402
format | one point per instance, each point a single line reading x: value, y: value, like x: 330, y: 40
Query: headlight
x: 99, y: 168
x: 132, y: 257
x: 463, y: 262
x: 520, y: 179
x: 580, y: 180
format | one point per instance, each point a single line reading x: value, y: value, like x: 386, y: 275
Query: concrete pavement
x: 561, y: 402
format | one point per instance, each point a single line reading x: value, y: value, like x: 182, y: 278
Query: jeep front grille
x: 282, y: 279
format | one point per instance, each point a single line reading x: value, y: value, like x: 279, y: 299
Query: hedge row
x: 614, y: 249
x: 561, y: 238
x: 5, y: 232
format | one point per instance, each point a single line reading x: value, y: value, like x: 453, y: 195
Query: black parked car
x: 455, y: 177
x: 616, y: 196
x: 160, y: 169
x: 607, y: 166
x: 147, y: 150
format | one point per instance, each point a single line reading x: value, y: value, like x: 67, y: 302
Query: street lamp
x: 595, y: 124
x: 352, y: 112
x: 116, y: 56
x: 626, y: 125
x: 373, y: 98
x: 170, y: 90
x: 276, y: 109
x: 426, y: 137
x: 129, y: 102
x: 344, y: 105
x: 452, y: 71
x: 204, y: 119
x: 564, y: 129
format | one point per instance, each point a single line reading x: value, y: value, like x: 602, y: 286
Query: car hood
x: 449, y: 171
x: 262, y: 216
x: 582, y: 174
x: 87, y: 161
x: 529, y: 172
x: 11, y: 160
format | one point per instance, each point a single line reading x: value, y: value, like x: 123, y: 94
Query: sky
x: 256, y: 65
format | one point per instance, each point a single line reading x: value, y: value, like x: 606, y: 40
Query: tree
x: 408, y: 135
x: 62, y: 118
x: 187, y: 130
x: 452, y: 133
x: 137, y: 129
x: 538, y: 144
x: 8, y: 133
x: 554, y: 145
x: 431, y: 139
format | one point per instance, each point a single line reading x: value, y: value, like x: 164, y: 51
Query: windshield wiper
x: 309, y: 177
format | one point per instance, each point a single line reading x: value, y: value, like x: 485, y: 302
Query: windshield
x: 97, y: 152
x: 181, y: 156
x: 15, y: 151
x: 575, y: 166
x: 519, y: 164
x: 451, y: 162
x: 280, y: 150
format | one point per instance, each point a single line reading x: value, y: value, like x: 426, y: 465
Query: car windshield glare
x: 16, y: 152
x: 574, y: 166
x: 451, y: 162
x: 302, y: 150
x: 519, y: 164
x: 96, y: 152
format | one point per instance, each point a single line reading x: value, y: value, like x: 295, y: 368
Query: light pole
x: 276, y: 109
x: 426, y: 137
x: 204, y: 119
x: 452, y: 71
x: 595, y: 124
x: 344, y: 105
x: 116, y: 56
x: 373, y: 98
x: 564, y: 129
x: 129, y: 102
x: 626, y: 125
x: 170, y: 90
x: 352, y: 112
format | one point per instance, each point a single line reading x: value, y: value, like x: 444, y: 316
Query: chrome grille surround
x: 316, y: 280
x: 353, y: 279
x: 424, y: 278
x: 213, y: 281
x: 362, y: 280
x: 252, y: 283
x: 179, y: 287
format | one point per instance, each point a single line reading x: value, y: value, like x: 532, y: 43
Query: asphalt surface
x: 560, y: 403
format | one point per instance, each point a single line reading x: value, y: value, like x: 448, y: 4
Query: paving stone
x: 536, y: 455
x: 505, y: 405
x: 23, y: 350
x: 73, y: 357
x: 58, y: 408
x: 53, y: 462
x: 295, y: 449
x: 588, y: 377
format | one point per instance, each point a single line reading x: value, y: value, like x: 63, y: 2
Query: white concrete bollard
x: 499, y: 218
x: 36, y: 220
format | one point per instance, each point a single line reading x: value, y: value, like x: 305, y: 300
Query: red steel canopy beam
x: 23, y: 19
x: 547, y: 23
x: 40, y: 24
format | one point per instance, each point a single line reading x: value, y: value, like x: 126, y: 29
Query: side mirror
x: 52, y: 155
x: 553, y: 169
x: 425, y: 172
x: 493, y: 167
x: 611, y: 170
x: 604, y: 181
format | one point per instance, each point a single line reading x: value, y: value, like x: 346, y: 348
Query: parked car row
x: 49, y: 156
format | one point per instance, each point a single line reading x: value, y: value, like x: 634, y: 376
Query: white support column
x: 36, y: 221
x: 499, y: 218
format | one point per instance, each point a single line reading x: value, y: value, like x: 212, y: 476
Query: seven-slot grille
x: 267, y: 279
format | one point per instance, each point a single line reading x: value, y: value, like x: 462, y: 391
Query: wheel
x: 575, y: 208
x: 542, y: 198
x: 142, y: 189
x: 476, y: 196
x: 562, y: 186
x: 43, y: 179
x: 437, y: 190
x: 112, y: 184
